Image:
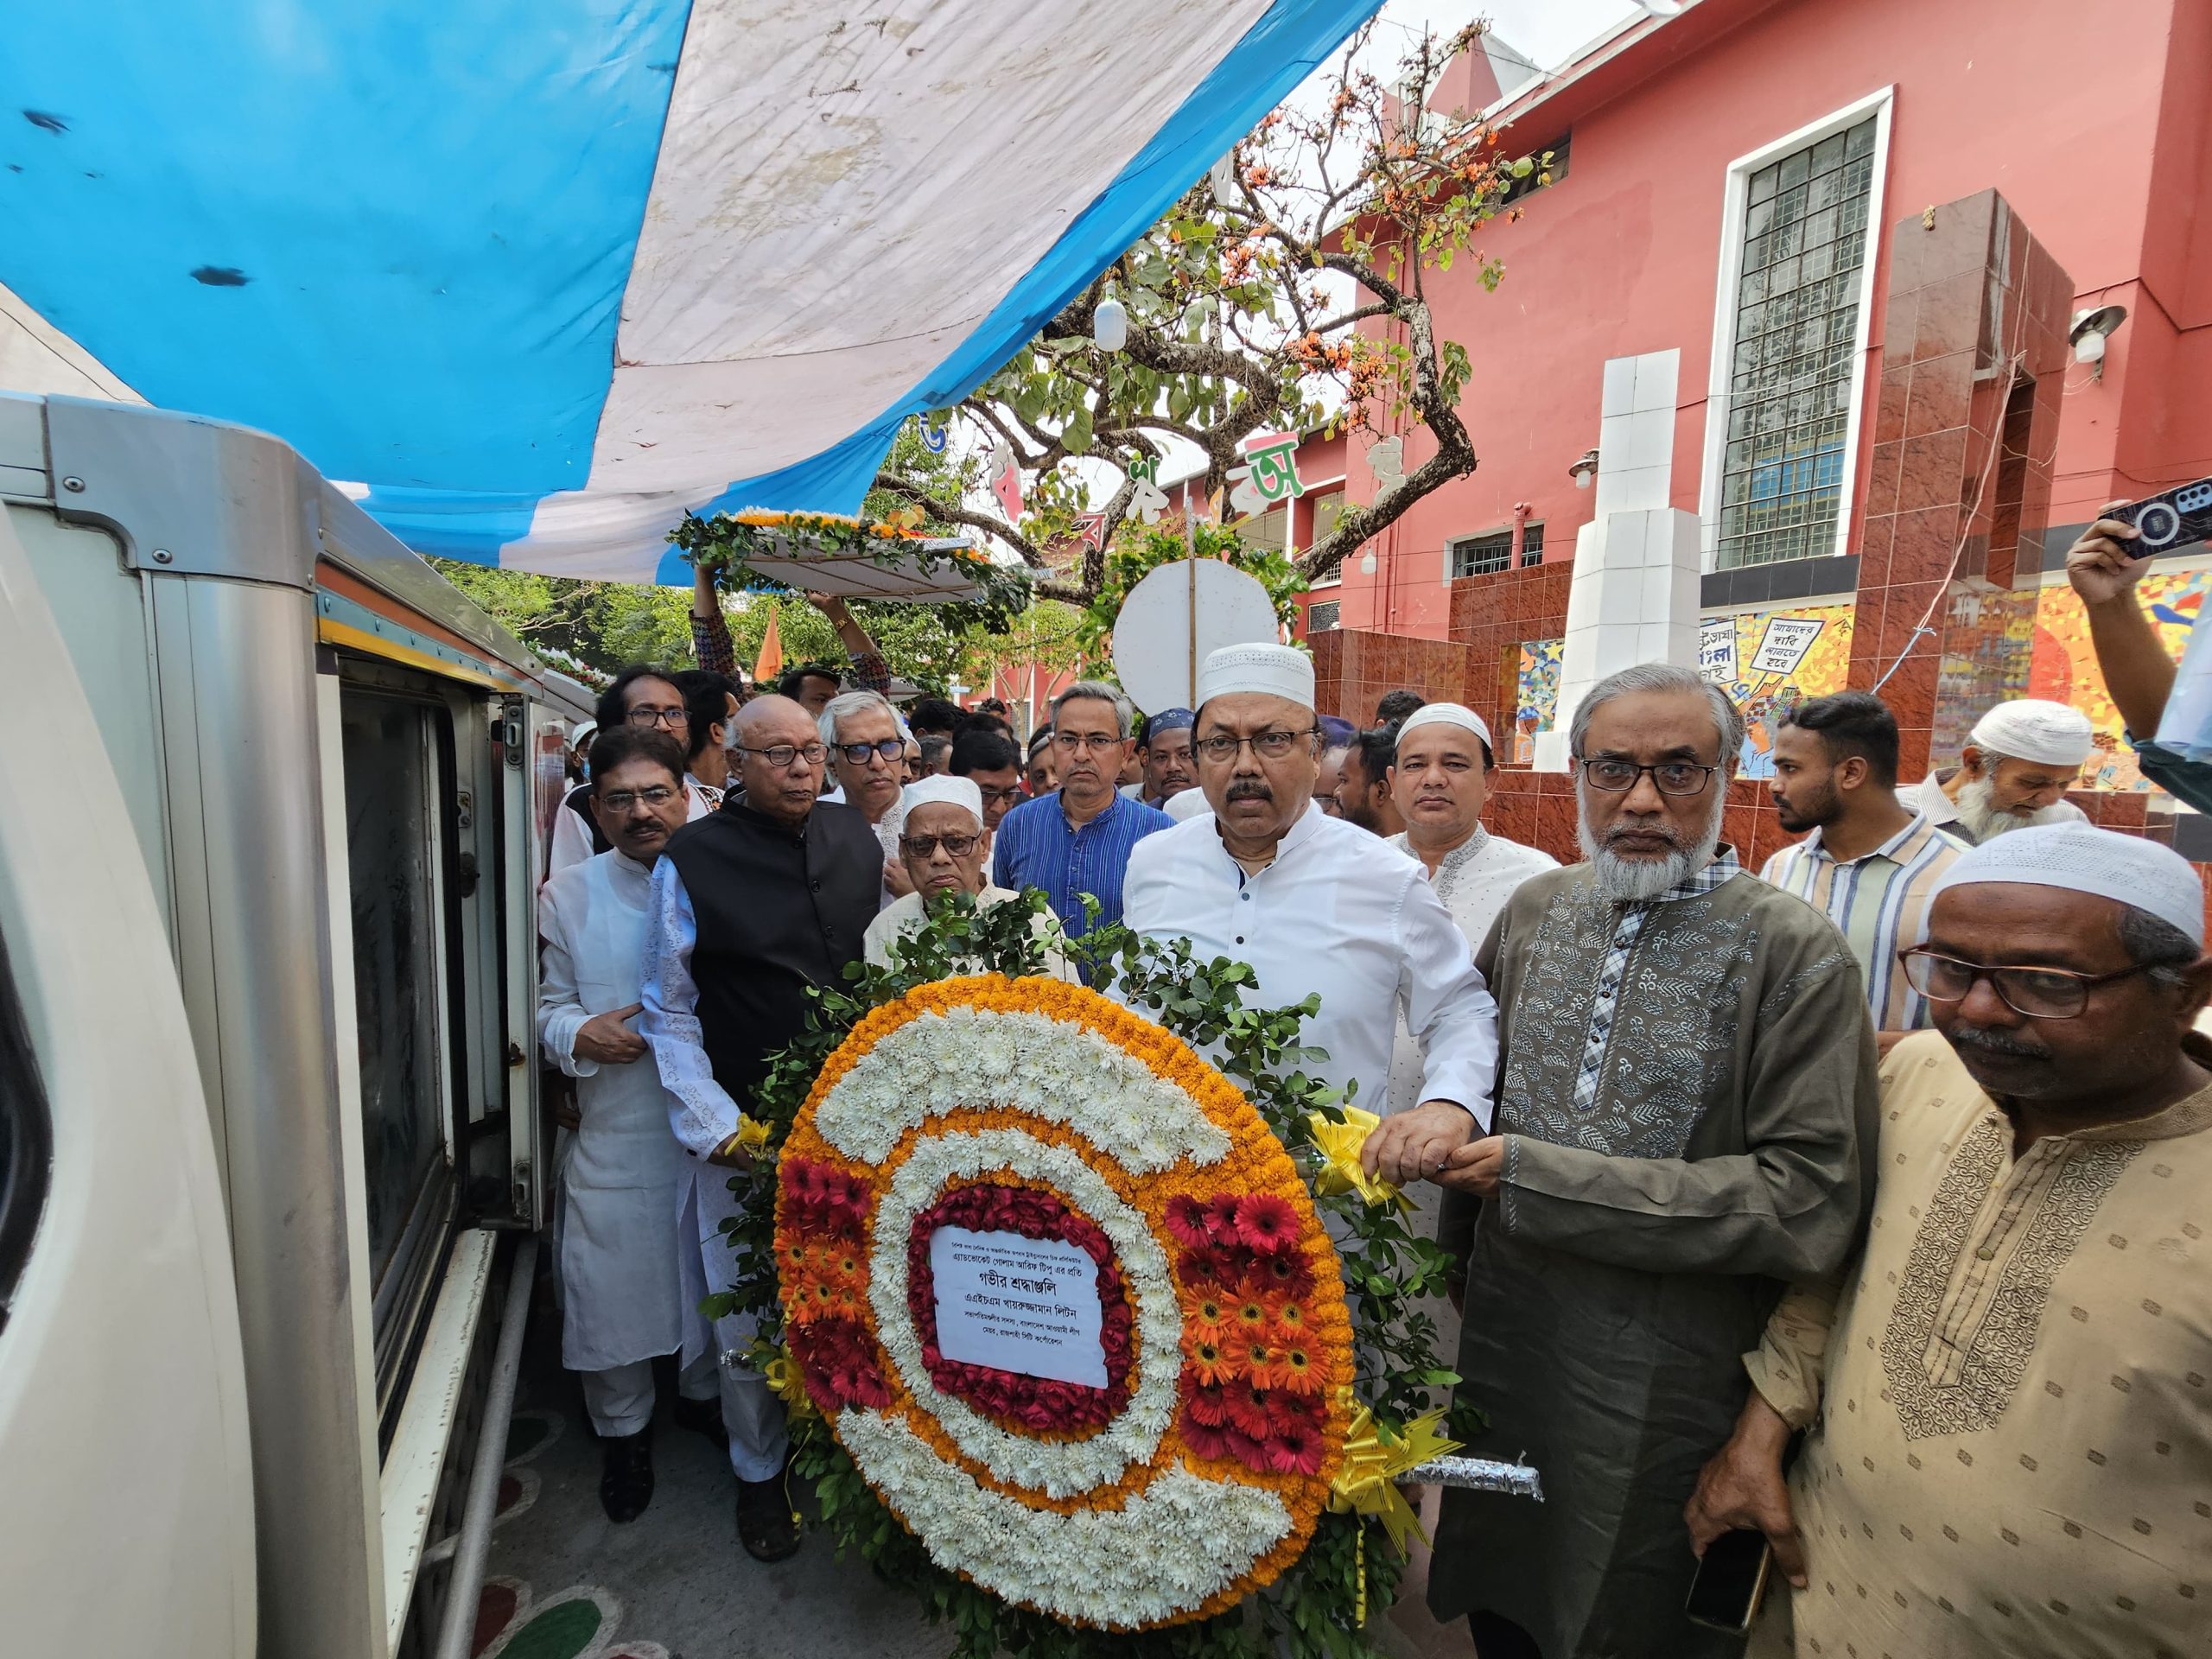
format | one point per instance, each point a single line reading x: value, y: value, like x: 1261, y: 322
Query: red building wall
x: 2100, y: 144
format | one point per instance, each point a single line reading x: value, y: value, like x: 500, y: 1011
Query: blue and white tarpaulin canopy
x: 543, y: 276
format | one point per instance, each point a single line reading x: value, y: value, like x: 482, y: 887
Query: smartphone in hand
x: 1731, y: 1581
x: 2171, y: 518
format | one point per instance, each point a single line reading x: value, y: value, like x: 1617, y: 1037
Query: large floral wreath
x: 1208, y: 1492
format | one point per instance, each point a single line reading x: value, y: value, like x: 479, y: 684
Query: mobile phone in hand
x: 1730, y: 1582
x: 2172, y: 518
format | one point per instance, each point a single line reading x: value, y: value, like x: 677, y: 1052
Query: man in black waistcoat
x: 750, y: 907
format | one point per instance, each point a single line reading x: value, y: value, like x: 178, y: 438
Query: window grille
x: 1480, y: 556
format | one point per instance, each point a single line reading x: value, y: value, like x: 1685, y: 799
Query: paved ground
x: 565, y: 1584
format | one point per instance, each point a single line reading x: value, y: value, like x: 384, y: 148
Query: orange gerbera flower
x: 1209, y: 1361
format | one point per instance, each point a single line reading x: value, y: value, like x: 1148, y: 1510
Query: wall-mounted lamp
x: 1367, y: 562
x: 2090, y: 330
x: 1584, y: 470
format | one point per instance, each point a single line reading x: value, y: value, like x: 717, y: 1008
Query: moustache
x: 1661, y: 829
x: 1250, y: 789
x: 1996, y: 1042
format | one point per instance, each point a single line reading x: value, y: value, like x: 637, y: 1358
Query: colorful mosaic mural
x: 1538, y: 696
x: 1766, y: 660
x: 2062, y: 667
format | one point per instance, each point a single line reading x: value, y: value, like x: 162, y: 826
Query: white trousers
x: 619, y: 1400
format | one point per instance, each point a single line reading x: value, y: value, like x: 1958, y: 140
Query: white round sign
x: 1153, y: 645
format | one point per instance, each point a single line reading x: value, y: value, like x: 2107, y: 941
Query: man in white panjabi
x: 1317, y: 905
x: 938, y: 828
x: 2014, y: 771
x: 623, y: 1301
x: 1438, y: 780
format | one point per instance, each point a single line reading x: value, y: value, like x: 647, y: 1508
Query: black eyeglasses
x: 621, y: 800
x: 780, y: 755
x: 922, y: 846
x: 1011, y: 792
x: 2038, y: 993
x: 890, y: 748
x: 1270, y: 744
x: 646, y: 714
x: 1668, y: 777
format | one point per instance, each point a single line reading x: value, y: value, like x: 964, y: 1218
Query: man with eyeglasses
x: 1076, y: 840
x: 649, y: 699
x: 751, y: 907
x: 1318, y: 908
x: 623, y: 1300
x: 986, y: 754
x: 2008, y: 1437
x: 940, y: 828
x: 1688, y: 1092
x: 866, y: 742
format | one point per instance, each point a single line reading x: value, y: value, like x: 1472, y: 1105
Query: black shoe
x: 704, y: 1418
x: 766, y: 1524
x: 626, y: 1474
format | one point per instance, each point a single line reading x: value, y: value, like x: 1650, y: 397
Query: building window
x: 1547, y: 166
x: 1480, y: 556
x: 1798, y: 297
x: 1322, y: 615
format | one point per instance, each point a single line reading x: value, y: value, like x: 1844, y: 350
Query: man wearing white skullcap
x: 1438, y: 778
x: 2015, y: 1364
x: 1318, y: 906
x: 2019, y: 762
x: 937, y: 827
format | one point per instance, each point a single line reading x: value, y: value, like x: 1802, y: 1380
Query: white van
x: 273, y: 798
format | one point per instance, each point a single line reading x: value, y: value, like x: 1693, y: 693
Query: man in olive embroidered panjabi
x: 1687, y: 1075
x: 2010, y: 1447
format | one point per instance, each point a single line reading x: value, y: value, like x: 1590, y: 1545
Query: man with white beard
x: 1687, y: 1072
x: 2019, y: 762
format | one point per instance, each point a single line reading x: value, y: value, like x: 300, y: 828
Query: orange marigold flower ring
x: 1206, y: 1479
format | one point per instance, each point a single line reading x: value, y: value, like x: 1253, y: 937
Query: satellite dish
x: 1155, y: 654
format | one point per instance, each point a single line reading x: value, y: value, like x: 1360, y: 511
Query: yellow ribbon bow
x: 1340, y: 1169
x: 1366, y: 1482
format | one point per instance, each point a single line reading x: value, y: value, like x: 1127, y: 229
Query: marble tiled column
x: 1966, y: 428
x: 1635, y: 593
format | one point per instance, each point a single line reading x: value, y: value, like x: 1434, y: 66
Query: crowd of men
x: 1857, y: 1204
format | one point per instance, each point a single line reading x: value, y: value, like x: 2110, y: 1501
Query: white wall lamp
x: 2090, y: 330
x: 1584, y: 470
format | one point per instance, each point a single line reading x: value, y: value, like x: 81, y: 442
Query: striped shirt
x: 1035, y: 848
x: 1877, y: 902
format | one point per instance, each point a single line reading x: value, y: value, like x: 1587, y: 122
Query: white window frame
x: 1737, y: 192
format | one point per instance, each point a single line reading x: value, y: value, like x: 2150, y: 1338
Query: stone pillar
x: 1635, y: 593
x: 1966, y: 427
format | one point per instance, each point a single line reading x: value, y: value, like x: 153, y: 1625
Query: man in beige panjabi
x: 2009, y: 1392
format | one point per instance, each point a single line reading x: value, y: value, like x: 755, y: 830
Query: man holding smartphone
x: 2104, y: 568
x: 2010, y: 1448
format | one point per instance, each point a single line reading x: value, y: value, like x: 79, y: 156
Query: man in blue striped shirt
x: 1869, y: 866
x: 1076, y: 840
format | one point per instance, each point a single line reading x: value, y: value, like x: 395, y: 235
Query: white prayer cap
x: 2082, y: 858
x: 1447, y: 714
x: 2029, y: 728
x: 958, y: 792
x: 1187, y: 803
x: 1277, y: 670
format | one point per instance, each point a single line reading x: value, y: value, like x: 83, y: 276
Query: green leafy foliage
x: 1311, y: 1611
x: 1140, y: 549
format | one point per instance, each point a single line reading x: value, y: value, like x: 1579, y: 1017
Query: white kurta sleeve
x: 560, y: 1013
x: 1447, y: 1006
x: 700, y: 1110
x: 571, y: 841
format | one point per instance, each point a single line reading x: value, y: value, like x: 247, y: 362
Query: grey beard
x: 1635, y: 881
x: 1983, y: 820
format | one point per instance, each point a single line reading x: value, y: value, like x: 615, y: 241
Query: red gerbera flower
x: 1286, y: 1271
x: 1250, y: 1450
x: 1186, y: 1221
x: 1221, y: 1218
x: 1244, y: 1410
x: 1266, y: 1224
x: 1203, y: 1405
x: 1284, y: 1407
x: 1206, y: 1440
x: 1295, y: 1449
